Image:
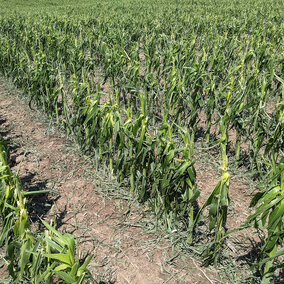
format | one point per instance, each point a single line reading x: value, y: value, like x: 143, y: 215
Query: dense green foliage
x: 133, y: 81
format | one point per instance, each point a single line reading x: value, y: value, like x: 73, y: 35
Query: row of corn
x: 33, y: 257
x: 189, y: 77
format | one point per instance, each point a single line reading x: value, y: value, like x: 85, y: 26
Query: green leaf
x: 256, y: 198
x: 276, y: 215
x: 59, y: 256
x: 46, y: 274
x: 55, y: 246
x: 212, y: 223
x: 52, y: 229
x: 84, y: 265
x: 71, y: 243
x: 61, y: 267
x: 277, y: 254
x: 260, y: 210
x: 195, y: 195
x: 66, y: 277
x: 182, y: 169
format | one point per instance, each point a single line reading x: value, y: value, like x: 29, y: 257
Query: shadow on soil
x: 252, y: 253
x: 251, y: 257
x: 39, y: 205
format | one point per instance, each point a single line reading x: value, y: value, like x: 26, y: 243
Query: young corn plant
x: 190, y: 190
x: 219, y: 199
x: 269, y: 203
x: 33, y: 258
x: 268, y: 217
x: 275, y: 143
x: 62, y: 250
x: 139, y: 150
x: 174, y: 180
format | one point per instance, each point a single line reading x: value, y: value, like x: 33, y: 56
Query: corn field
x: 135, y: 82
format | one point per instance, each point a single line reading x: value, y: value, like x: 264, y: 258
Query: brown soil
x: 87, y: 203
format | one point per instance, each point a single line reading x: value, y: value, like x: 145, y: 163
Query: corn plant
x: 219, y: 199
x: 33, y: 258
x: 268, y: 217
